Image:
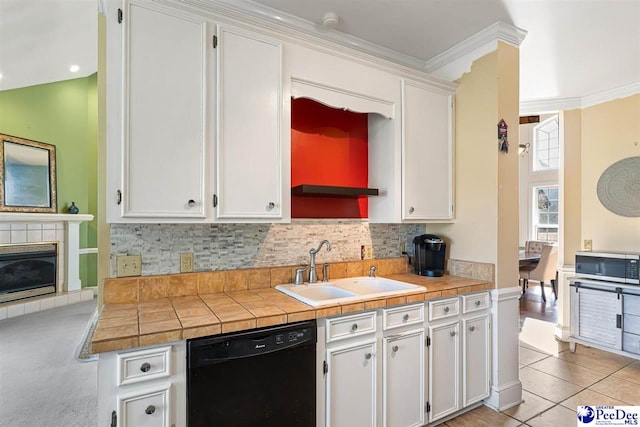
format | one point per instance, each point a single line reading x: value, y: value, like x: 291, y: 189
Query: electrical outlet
x: 588, y: 245
x: 368, y: 252
x: 129, y: 265
x: 186, y: 262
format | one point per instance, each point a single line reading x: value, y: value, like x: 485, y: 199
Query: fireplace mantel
x: 71, y: 252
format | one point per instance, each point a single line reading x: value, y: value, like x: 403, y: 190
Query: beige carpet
x: 41, y: 382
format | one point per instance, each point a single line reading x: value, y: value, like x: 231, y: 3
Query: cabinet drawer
x: 145, y: 408
x: 402, y: 316
x: 340, y: 328
x: 144, y: 365
x: 631, y: 323
x: 632, y: 305
x: 475, y: 302
x: 631, y: 343
x: 444, y: 308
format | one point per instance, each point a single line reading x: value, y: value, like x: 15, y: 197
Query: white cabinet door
x: 166, y: 115
x: 145, y: 408
x: 476, y: 359
x: 249, y: 126
x: 595, y: 317
x: 444, y: 369
x: 427, y: 158
x: 351, y: 386
x: 403, y: 379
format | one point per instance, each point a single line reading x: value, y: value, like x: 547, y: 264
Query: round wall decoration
x: 619, y: 187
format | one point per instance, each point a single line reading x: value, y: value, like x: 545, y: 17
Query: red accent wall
x: 329, y: 146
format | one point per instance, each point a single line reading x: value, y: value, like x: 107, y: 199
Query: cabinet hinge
x: 427, y: 342
x: 119, y: 16
x: 619, y: 321
x: 118, y: 197
x: 427, y: 407
x: 215, y: 201
x: 114, y: 419
x: 215, y: 41
x: 619, y: 292
x: 325, y: 367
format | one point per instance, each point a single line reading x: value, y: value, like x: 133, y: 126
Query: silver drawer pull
x: 411, y: 210
x: 271, y: 205
x: 477, y: 303
x: 150, y: 410
x: 452, y: 333
x: 354, y: 327
x: 446, y: 309
x: 405, y: 317
x: 472, y: 328
x: 367, y: 356
x: 394, y: 348
x: 191, y: 203
x: 145, y: 367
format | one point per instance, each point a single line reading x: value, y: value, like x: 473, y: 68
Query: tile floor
x: 554, y: 385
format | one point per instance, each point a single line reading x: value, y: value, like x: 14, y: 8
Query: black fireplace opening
x: 27, y: 271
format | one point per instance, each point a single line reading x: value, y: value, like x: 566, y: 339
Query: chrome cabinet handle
x: 145, y: 367
x: 446, y: 309
x: 367, y: 356
x: 472, y: 328
x: 150, y: 410
x: 191, y: 203
x: 452, y: 333
x: 354, y: 327
x: 405, y: 317
x: 271, y: 205
x: 394, y: 348
x: 477, y: 303
x: 411, y: 209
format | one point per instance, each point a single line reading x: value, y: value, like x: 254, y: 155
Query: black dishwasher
x: 263, y: 377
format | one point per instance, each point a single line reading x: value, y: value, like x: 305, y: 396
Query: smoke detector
x: 330, y: 20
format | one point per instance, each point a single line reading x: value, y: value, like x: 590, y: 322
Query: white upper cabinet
x: 249, y: 152
x: 165, y: 114
x: 427, y: 157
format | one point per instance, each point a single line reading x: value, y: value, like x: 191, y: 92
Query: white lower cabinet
x: 403, y: 379
x: 146, y: 408
x: 444, y: 369
x: 351, y: 385
x: 476, y: 371
x: 143, y: 388
x: 459, y: 354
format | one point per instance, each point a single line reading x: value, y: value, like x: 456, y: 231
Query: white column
x: 72, y: 280
x: 506, y: 388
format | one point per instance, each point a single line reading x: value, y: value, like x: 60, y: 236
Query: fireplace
x: 27, y: 270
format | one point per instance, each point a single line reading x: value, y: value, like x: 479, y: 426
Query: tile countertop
x: 127, y: 325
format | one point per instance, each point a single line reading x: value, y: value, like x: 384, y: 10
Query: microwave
x: 610, y: 266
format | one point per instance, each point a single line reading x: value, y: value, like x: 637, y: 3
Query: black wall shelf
x: 309, y: 190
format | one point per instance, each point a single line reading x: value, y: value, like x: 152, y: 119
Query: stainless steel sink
x: 346, y: 290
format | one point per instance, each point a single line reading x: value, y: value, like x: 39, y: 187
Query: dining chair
x: 535, y: 246
x: 545, y: 271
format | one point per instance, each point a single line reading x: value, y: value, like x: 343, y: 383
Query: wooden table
x: 528, y: 258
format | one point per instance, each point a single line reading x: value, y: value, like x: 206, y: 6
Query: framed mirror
x: 27, y: 175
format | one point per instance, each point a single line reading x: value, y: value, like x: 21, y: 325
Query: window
x: 545, y: 217
x: 546, y: 145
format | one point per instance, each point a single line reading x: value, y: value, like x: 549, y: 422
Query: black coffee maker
x: 428, y: 255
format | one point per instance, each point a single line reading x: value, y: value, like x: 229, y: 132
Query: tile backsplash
x: 237, y: 246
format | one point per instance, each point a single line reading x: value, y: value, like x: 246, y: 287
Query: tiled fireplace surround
x: 63, y: 229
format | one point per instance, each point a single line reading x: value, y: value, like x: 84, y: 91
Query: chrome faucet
x: 313, y: 276
x: 372, y: 271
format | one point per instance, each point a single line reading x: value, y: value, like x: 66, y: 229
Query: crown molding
x: 454, y: 62
x: 611, y: 94
x: 259, y: 14
x: 549, y: 105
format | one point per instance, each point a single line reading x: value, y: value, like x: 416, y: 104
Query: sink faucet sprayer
x: 313, y: 276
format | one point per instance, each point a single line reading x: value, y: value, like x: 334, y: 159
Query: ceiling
x: 574, y: 48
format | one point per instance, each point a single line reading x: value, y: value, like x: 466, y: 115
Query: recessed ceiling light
x: 74, y: 68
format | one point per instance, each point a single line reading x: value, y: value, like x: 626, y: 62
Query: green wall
x: 64, y: 114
